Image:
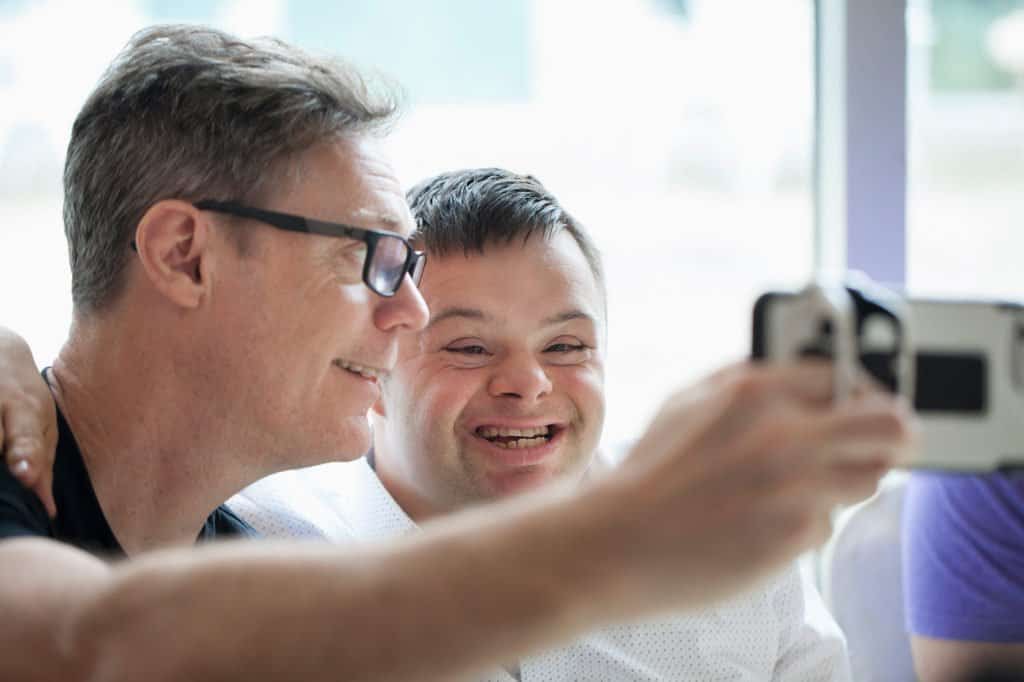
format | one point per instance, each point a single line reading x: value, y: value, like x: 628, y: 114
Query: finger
x: 40, y: 462
x: 23, y: 440
x: 865, y: 383
x: 780, y: 436
x: 810, y: 381
x: 44, y: 487
x: 848, y: 483
x: 817, y: 491
x: 800, y: 526
x: 819, y: 483
x: 21, y: 458
x: 44, y: 491
x: 866, y: 428
x: 744, y: 385
x: 18, y: 455
x: 25, y: 444
x: 878, y: 426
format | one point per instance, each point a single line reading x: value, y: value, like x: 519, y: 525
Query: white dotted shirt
x: 778, y: 632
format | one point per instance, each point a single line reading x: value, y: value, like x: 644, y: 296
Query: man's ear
x: 172, y: 240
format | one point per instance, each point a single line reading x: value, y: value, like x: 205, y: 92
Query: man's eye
x: 468, y: 350
x: 356, y: 255
x: 348, y: 263
x: 565, y: 348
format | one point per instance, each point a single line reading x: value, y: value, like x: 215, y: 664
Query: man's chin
x: 511, y: 482
x: 347, y: 441
x: 355, y: 439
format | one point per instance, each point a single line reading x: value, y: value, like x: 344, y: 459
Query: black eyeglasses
x: 388, y: 255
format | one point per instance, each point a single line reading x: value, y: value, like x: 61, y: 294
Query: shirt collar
x: 366, y: 503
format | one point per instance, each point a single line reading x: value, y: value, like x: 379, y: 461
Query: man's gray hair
x: 189, y: 112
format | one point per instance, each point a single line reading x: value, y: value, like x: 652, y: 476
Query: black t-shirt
x: 80, y: 519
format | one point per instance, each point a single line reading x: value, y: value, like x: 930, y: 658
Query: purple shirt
x: 963, y: 556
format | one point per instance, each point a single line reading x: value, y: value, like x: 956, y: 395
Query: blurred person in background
x: 963, y: 535
x: 963, y: 573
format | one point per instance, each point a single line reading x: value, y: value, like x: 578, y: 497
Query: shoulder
x: 964, y: 556
x: 966, y: 512
x: 302, y: 503
x: 811, y: 643
x: 224, y: 522
x: 752, y: 636
x: 986, y: 498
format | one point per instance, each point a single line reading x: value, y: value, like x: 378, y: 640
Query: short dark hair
x: 189, y: 112
x: 468, y: 210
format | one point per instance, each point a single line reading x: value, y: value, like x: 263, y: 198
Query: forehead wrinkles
x: 387, y: 209
x: 364, y: 185
x: 490, y: 302
x: 461, y: 315
x: 367, y: 216
x: 380, y: 172
x: 495, y: 321
x: 376, y: 167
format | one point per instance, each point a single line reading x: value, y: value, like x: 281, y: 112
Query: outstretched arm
x: 458, y: 599
x: 733, y: 479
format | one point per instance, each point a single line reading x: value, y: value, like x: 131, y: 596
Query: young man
x: 502, y: 393
x: 241, y: 279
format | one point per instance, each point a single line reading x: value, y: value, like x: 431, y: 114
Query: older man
x: 241, y: 280
x: 502, y: 393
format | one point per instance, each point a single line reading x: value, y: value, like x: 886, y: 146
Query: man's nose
x: 405, y: 311
x: 520, y: 376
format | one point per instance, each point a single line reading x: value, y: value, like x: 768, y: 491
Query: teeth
x: 494, y: 432
x: 368, y: 372
x: 521, y: 443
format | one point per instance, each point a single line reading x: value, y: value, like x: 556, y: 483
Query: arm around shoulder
x: 28, y: 420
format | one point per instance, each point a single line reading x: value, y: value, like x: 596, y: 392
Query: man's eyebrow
x: 458, y: 312
x: 371, y: 219
x: 568, y: 316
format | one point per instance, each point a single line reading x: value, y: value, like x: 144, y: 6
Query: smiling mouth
x: 371, y: 373
x: 514, y: 439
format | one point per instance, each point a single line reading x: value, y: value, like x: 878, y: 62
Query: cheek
x: 585, y: 387
x: 314, y: 300
x: 433, y: 398
x: 342, y: 310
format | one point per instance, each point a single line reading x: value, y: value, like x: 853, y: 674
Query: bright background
x: 679, y: 131
x: 965, y: 202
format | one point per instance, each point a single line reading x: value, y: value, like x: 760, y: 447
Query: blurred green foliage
x: 960, y: 59
x: 442, y: 52
x: 451, y: 52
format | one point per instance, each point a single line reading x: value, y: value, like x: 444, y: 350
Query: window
x: 686, y: 122
x: 966, y: 155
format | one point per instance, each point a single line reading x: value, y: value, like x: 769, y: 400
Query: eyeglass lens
x: 388, y: 265
x: 417, y: 268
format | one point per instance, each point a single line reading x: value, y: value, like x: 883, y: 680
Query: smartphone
x: 960, y: 363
